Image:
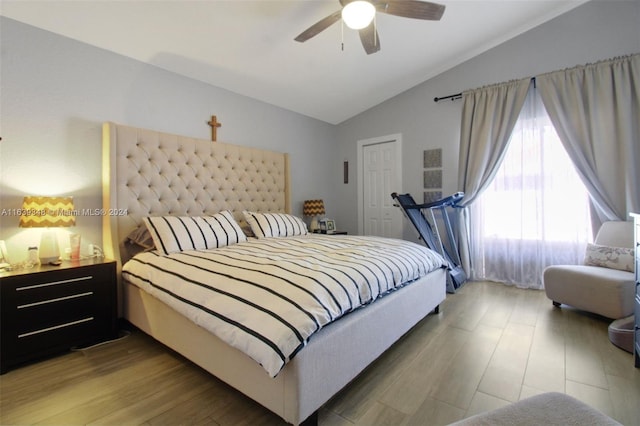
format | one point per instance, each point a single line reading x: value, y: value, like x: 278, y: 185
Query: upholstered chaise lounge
x: 607, y: 290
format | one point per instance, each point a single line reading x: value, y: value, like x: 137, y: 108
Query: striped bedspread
x: 267, y: 297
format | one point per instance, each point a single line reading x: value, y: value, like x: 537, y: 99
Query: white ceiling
x: 247, y: 46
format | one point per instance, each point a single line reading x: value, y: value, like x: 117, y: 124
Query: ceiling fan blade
x: 411, y: 9
x: 319, y: 26
x: 370, y: 39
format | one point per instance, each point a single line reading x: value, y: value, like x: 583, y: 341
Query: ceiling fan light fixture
x: 358, y: 14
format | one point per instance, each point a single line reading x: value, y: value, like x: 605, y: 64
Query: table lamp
x: 313, y: 208
x: 47, y: 212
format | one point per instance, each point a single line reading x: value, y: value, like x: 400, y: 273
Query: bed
x: 151, y: 174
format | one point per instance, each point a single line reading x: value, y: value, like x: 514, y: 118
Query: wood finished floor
x: 490, y: 345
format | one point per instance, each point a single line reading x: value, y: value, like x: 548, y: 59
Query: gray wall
x: 594, y: 31
x: 56, y: 93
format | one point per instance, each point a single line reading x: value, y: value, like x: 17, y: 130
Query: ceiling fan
x: 364, y: 11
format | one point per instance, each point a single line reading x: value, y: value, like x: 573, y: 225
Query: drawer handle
x: 55, y: 327
x: 71, y: 280
x: 59, y: 299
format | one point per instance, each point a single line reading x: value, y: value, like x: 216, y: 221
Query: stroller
x: 429, y: 232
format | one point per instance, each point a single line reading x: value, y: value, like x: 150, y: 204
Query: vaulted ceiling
x: 248, y: 46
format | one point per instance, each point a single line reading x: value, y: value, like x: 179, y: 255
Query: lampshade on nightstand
x: 313, y: 208
x: 47, y: 212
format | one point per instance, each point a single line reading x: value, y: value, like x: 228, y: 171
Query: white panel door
x: 380, y: 177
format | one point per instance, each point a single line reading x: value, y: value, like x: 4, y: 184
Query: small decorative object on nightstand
x: 636, y: 334
x: 48, y: 310
x: 327, y: 226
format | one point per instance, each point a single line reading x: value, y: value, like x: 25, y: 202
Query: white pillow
x: 266, y: 225
x: 609, y: 257
x: 178, y: 233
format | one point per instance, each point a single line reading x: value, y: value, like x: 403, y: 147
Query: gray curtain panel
x: 488, y: 117
x: 595, y: 110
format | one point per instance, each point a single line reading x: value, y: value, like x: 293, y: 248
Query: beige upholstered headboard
x: 149, y: 173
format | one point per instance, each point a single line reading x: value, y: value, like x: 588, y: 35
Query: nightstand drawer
x: 57, y: 337
x: 49, y: 309
x: 33, y: 293
x: 52, y: 312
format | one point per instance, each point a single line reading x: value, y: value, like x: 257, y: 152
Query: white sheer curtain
x: 536, y: 210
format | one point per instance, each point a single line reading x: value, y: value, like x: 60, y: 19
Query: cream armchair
x: 607, y: 290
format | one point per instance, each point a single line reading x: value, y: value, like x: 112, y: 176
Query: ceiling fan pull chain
x: 342, y: 33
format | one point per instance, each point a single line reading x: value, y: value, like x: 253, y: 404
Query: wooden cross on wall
x: 214, y: 127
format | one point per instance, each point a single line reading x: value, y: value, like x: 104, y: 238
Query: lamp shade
x: 358, y: 14
x: 313, y: 208
x: 47, y: 212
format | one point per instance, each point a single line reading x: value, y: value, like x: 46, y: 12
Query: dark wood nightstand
x: 333, y: 233
x: 47, y: 310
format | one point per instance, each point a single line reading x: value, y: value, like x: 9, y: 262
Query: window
x: 536, y: 210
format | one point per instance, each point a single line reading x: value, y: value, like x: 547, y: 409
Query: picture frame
x: 327, y: 226
x: 331, y: 226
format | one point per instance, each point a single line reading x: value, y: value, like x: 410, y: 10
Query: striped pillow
x: 178, y: 233
x: 266, y: 225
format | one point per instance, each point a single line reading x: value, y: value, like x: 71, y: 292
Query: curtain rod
x: 452, y: 97
x: 459, y: 95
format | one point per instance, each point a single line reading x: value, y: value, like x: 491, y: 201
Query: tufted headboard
x: 148, y: 173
